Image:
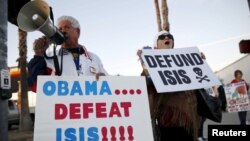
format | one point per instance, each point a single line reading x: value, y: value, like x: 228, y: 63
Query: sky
x: 116, y: 29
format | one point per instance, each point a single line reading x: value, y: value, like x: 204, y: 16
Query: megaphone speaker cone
x: 25, y: 15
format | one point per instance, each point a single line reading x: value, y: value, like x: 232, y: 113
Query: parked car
x: 32, y: 103
x: 13, y: 113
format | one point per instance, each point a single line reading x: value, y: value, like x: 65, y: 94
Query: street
x: 15, y: 135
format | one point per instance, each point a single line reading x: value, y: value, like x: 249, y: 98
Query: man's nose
x: 64, y: 32
x: 63, y: 29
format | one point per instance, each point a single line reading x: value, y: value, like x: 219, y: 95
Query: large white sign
x: 83, y: 109
x: 237, y: 97
x: 178, y: 69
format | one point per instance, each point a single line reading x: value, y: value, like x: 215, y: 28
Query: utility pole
x: 3, y: 65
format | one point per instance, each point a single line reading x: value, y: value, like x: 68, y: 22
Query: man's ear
x: 78, y: 32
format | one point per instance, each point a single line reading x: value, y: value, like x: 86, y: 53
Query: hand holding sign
x: 178, y: 69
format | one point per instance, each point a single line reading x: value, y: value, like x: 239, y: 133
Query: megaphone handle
x: 56, y: 63
x: 51, y: 14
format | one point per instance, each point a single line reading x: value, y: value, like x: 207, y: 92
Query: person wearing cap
x: 174, y: 114
x: 72, y: 58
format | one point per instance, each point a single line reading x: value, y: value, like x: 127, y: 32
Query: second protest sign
x: 178, y: 69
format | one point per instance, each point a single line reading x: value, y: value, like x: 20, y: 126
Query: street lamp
x: 244, y: 46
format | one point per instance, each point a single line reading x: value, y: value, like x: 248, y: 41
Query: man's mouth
x: 65, y: 37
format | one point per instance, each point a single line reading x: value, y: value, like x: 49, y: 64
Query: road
x: 15, y: 135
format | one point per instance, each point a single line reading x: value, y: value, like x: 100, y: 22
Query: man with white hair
x: 70, y: 59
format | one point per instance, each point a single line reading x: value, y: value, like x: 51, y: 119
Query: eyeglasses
x: 162, y: 37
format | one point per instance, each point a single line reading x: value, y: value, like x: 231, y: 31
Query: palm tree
x: 162, y: 16
x: 25, y: 119
x: 164, y: 10
x: 158, y: 15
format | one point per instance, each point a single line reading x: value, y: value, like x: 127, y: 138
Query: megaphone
x: 34, y: 15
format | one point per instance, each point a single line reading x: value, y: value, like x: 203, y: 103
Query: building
x: 226, y: 75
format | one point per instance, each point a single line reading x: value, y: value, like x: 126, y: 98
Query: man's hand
x: 203, y: 56
x: 40, y: 45
x: 97, y: 76
x: 215, y: 89
x: 139, y: 52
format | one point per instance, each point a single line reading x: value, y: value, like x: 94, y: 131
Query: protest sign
x: 237, y: 97
x: 83, y: 109
x: 178, y: 69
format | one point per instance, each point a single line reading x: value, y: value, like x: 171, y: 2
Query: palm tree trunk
x: 25, y: 120
x: 158, y: 15
x: 164, y: 10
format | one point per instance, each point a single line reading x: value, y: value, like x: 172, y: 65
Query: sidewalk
x: 15, y: 135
